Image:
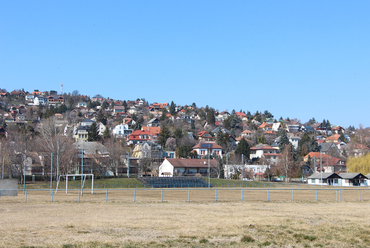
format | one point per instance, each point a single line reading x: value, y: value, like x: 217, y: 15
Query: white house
x: 121, y: 130
x: 186, y: 167
x: 205, y: 148
x: 353, y: 179
x: 327, y: 179
x: 268, y: 152
x: 40, y: 100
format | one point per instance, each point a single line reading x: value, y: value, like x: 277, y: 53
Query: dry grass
x: 120, y: 222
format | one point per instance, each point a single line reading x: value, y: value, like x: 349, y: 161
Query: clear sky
x: 296, y: 59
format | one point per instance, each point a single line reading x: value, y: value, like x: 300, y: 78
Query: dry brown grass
x: 120, y: 222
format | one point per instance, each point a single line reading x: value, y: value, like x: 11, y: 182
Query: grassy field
x: 148, y: 222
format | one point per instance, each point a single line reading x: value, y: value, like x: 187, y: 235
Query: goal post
x: 84, y: 176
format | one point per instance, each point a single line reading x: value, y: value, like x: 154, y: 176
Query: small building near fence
x: 341, y: 179
x: 353, y: 179
x: 186, y: 167
x: 327, y: 179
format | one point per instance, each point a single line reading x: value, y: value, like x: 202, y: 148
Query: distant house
x: 119, y: 109
x: 55, y: 100
x: 86, y: 122
x: 81, y: 105
x: 333, y: 138
x: 140, y: 136
x: 154, y: 130
x: 40, y: 100
x: 268, y: 152
x: 293, y: 127
x: 294, y: 140
x: 30, y: 98
x: 247, y: 134
x: 121, y: 131
x: 186, y: 167
x: 307, y: 129
x: 154, y: 122
x: 204, y: 136
x: 205, y: 148
x: 81, y: 133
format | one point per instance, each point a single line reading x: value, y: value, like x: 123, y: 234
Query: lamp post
x: 209, y: 168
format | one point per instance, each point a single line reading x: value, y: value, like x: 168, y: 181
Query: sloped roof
x: 193, y: 163
x: 323, y: 175
x: 212, y: 145
x: 352, y: 175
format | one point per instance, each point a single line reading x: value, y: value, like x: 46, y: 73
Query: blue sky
x: 297, y: 59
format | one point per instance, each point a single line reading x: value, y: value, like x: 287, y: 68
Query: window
x: 313, y: 180
x: 336, y: 180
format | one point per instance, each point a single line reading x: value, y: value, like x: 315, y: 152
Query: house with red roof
x: 205, y: 136
x: 333, y: 138
x: 139, y: 136
x: 242, y: 116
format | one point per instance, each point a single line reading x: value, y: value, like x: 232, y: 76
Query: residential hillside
x: 119, y: 138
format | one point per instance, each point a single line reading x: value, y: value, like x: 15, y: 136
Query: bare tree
x: 286, y: 163
x: 52, y: 140
x: 116, y: 151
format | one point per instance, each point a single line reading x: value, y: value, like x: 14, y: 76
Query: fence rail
x: 192, y: 195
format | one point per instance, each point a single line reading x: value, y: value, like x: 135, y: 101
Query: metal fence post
x: 337, y: 194
x: 162, y: 195
x: 340, y: 195
x: 242, y: 194
x: 25, y: 197
x: 292, y: 194
x: 359, y: 195
x: 134, y: 195
x: 268, y: 195
x: 79, y: 195
x: 317, y: 196
x: 106, y: 195
x: 189, y: 195
x: 216, y: 194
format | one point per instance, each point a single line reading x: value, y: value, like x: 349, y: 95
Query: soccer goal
x: 83, y: 176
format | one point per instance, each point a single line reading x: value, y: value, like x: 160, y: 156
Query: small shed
x: 353, y: 179
x: 327, y: 179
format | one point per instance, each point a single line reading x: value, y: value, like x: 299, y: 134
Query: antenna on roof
x: 61, y: 89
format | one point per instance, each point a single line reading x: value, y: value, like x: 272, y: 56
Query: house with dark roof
x: 324, y: 179
x: 186, y: 167
x: 205, y: 148
x: 353, y: 179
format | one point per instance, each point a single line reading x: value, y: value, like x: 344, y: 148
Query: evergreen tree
x: 184, y: 151
x: 219, y: 137
x: 172, y: 108
x: 313, y: 147
x: 323, y: 124
x: 243, y: 148
x: 106, y: 134
x: 104, y: 105
x: 164, y: 134
x: 328, y: 125
x: 124, y: 104
x: 211, y: 116
x: 192, y: 125
x: 93, y: 134
x: 283, y: 141
x: 101, y: 118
